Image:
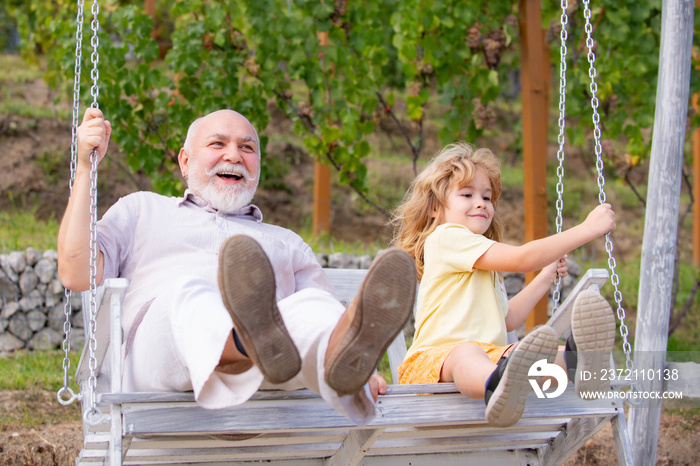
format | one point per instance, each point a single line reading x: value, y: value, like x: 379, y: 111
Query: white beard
x: 225, y: 199
x: 228, y: 200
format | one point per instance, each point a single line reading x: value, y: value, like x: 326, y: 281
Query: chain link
x: 67, y: 310
x: 76, y: 92
x: 556, y: 296
x: 95, y: 57
x: 612, y: 264
x: 92, y: 415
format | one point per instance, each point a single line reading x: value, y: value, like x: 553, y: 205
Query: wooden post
x: 696, y: 188
x: 322, y: 198
x: 696, y: 182
x: 322, y: 182
x: 661, y: 222
x: 534, y: 77
x: 150, y: 8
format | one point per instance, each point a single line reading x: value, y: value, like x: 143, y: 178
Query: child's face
x: 471, y: 205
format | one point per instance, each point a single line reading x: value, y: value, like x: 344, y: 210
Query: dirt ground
x: 34, y: 173
x: 55, y: 437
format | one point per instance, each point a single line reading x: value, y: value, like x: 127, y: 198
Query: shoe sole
x: 593, y: 328
x: 385, y: 302
x: 247, y: 283
x: 507, y: 403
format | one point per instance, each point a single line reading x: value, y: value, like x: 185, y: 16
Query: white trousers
x: 179, y: 342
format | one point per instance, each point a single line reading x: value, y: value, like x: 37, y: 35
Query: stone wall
x: 32, y: 303
x: 32, y: 309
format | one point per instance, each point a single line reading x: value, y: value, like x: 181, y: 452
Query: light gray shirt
x: 152, y: 240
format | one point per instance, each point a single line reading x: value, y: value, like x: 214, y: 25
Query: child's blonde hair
x: 420, y: 212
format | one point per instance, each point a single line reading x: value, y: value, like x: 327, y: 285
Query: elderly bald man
x: 220, y: 302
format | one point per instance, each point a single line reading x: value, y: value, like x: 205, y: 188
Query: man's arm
x: 74, y: 232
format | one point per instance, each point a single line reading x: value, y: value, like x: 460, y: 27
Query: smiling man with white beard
x: 233, y: 167
x: 220, y: 302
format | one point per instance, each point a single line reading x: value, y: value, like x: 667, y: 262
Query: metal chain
x: 95, y: 57
x: 67, y: 310
x: 76, y: 93
x: 614, y: 278
x: 556, y: 296
x: 93, y: 415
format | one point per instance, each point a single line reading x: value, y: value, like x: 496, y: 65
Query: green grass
x: 21, y: 229
x: 326, y: 244
x: 511, y: 177
x: 626, y: 197
x: 13, y: 69
x: 34, y: 378
x: 38, y: 369
x: 15, y: 73
x: 9, y: 105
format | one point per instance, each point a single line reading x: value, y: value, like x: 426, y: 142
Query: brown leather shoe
x: 247, y: 284
x: 369, y: 325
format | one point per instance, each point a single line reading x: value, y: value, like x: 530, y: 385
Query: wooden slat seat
x: 417, y: 424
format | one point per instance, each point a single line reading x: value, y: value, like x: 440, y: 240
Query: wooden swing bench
x: 415, y: 424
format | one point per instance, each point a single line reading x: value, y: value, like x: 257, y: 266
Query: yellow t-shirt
x: 456, y: 302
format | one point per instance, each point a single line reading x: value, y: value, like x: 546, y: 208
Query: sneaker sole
x: 247, y: 283
x: 593, y: 328
x: 507, y: 403
x: 385, y: 302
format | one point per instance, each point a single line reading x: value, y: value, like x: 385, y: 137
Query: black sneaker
x: 507, y: 388
x: 593, y: 332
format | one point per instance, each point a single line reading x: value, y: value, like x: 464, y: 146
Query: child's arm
x: 520, y: 305
x: 538, y: 253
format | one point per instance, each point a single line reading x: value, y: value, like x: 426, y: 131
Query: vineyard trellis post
x: 534, y: 73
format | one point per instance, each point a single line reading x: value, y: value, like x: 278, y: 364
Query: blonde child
x: 448, y: 223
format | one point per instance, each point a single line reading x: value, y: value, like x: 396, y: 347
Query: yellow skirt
x: 425, y: 366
